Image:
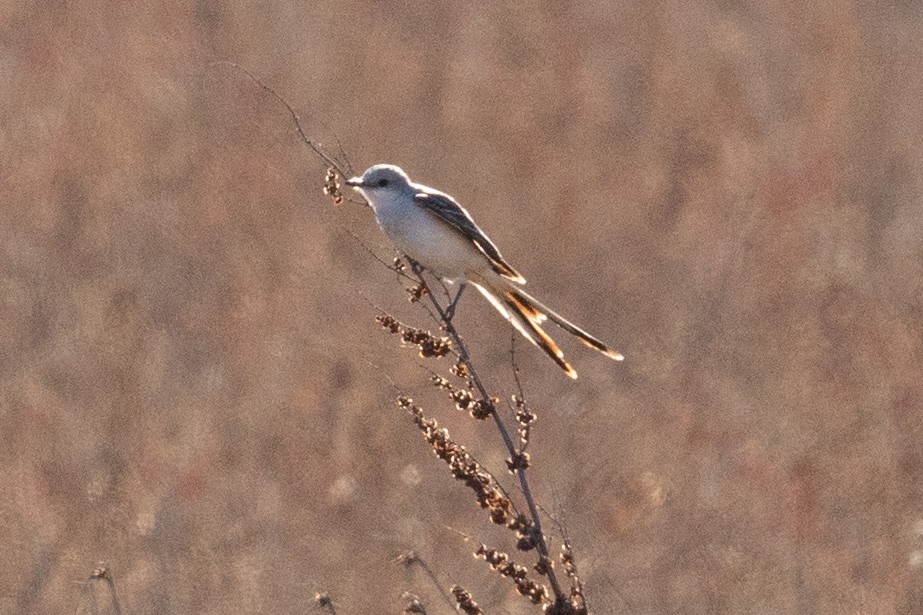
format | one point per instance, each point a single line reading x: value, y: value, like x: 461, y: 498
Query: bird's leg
x: 450, y: 311
x: 418, y: 270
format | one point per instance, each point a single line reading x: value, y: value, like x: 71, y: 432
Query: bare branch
x: 339, y: 161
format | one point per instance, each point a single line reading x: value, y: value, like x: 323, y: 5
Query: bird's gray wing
x: 446, y: 209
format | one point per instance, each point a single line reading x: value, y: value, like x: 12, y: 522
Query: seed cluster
x: 518, y: 461
x: 428, y: 344
x: 466, y: 603
x: 525, y: 418
x: 577, y: 598
x: 499, y: 561
x: 412, y: 604
x: 464, y: 468
x: 417, y: 291
x: 332, y: 186
x: 460, y: 370
x: 322, y: 599
x: 464, y: 399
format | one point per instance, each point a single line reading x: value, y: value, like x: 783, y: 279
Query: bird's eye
x: 382, y: 183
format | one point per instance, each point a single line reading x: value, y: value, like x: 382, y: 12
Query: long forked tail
x: 527, y: 314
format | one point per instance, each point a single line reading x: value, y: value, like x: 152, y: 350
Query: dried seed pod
x: 466, y: 603
x: 428, y: 345
x: 460, y: 370
x: 417, y: 292
x: 483, y: 408
x: 332, y: 186
x: 499, y: 561
x: 388, y: 322
x: 322, y: 599
x: 465, y: 468
x: 412, y: 604
x: 518, y: 461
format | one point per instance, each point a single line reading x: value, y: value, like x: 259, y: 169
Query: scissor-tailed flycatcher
x: 434, y: 230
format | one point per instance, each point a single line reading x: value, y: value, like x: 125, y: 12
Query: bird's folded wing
x: 446, y: 209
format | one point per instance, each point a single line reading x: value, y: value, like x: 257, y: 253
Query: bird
x: 431, y: 228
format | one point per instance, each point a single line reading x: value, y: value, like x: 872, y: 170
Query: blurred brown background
x: 193, y: 391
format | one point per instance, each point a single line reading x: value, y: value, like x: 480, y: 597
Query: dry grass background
x: 191, y: 382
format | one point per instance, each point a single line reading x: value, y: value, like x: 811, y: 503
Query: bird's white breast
x: 425, y: 238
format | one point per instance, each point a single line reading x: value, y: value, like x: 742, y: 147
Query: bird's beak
x: 355, y: 182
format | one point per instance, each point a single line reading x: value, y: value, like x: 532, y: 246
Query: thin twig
x: 339, y: 161
x: 398, y: 270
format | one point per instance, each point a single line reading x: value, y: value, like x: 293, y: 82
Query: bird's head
x: 380, y: 179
